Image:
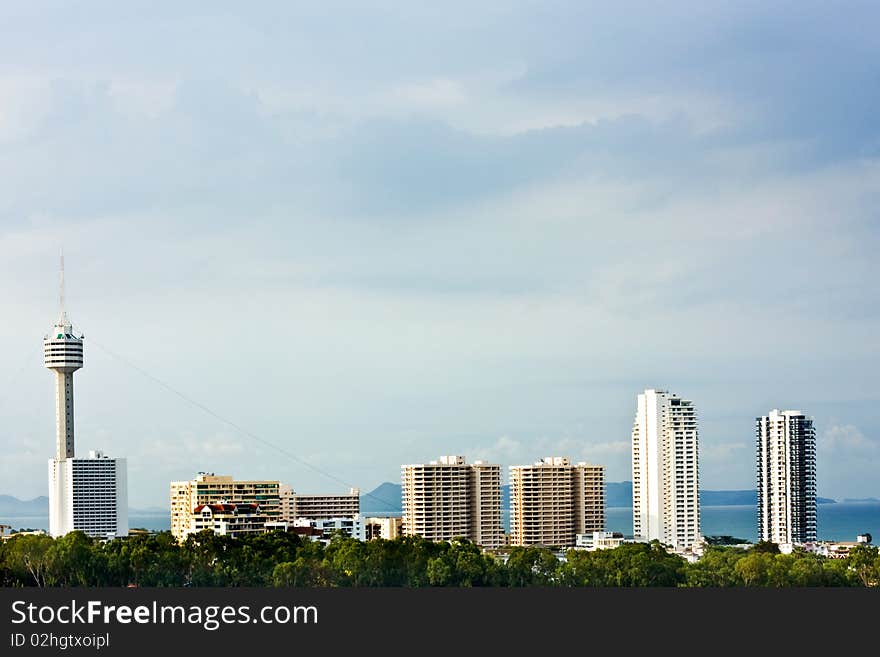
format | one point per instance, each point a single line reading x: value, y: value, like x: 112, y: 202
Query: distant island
x: 385, y: 498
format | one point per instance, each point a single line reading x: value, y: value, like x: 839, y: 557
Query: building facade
x: 314, y: 507
x: 226, y: 519
x: 665, y: 470
x: 435, y: 499
x: 350, y: 526
x: 599, y: 541
x: 450, y: 498
x: 589, y: 498
x: 89, y: 495
x: 208, y: 488
x: 86, y: 494
x: 485, y: 505
x: 786, y: 477
x: 551, y: 501
x: 384, y: 527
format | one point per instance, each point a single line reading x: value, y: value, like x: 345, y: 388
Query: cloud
x: 844, y: 439
x: 508, y: 451
x: 425, y: 227
x: 722, y: 452
x: 502, y: 450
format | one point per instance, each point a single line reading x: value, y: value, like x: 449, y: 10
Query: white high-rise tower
x: 786, y: 463
x: 665, y: 470
x: 88, y: 494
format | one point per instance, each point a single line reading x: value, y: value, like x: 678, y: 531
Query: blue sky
x: 375, y: 233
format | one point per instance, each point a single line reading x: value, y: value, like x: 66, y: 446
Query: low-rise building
x: 228, y: 519
x: 352, y: 527
x: 599, y: 541
x: 303, y: 531
x: 387, y: 528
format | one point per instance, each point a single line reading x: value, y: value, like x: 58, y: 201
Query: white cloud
x: 845, y: 438
x: 722, y: 452
x: 509, y: 451
x: 487, y: 227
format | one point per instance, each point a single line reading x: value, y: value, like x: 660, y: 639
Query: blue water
x: 155, y: 522
x: 836, y: 522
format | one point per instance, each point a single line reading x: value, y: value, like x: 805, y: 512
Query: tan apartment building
x: 319, y: 507
x: 551, y: 501
x: 589, y: 498
x: 485, y: 501
x: 208, y: 488
x: 449, y: 498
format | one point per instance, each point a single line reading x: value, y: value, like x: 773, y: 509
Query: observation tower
x: 63, y: 354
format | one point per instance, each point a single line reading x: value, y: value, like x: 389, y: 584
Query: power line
x: 237, y: 427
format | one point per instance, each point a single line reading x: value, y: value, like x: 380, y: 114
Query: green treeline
x: 283, y: 559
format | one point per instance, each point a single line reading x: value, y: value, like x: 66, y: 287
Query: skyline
x: 378, y: 244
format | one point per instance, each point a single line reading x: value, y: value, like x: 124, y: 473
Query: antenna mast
x: 61, y: 293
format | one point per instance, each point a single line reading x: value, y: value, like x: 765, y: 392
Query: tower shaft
x: 64, y: 441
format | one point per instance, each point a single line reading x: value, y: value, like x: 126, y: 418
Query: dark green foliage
x: 725, y: 540
x: 631, y: 564
x: 283, y: 559
x: 766, y: 547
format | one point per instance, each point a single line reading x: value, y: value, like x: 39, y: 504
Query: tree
x: 531, y: 566
x: 753, y: 568
x: 716, y: 568
x: 300, y: 572
x: 862, y: 562
x: 347, y: 559
x: 767, y: 547
x: 70, y: 560
x: 27, y: 556
x: 807, y: 570
x: 440, y: 571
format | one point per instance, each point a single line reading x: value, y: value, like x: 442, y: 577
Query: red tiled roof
x: 227, y: 508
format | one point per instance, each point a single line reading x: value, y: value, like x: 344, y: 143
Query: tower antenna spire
x: 61, y: 291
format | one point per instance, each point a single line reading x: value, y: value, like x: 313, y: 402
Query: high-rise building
x: 665, y: 470
x: 449, y: 498
x: 84, y: 494
x: 210, y: 489
x: 485, y: 505
x: 786, y: 464
x: 552, y: 501
x: 88, y: 494
x: 589, y: 498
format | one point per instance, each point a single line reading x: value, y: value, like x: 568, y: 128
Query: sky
x: 313, y: 242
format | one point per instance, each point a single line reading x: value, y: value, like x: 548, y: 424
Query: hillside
x: 385, y: 498
x: 12, y: 506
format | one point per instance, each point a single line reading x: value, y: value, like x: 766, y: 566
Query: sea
x: 842, y: 521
